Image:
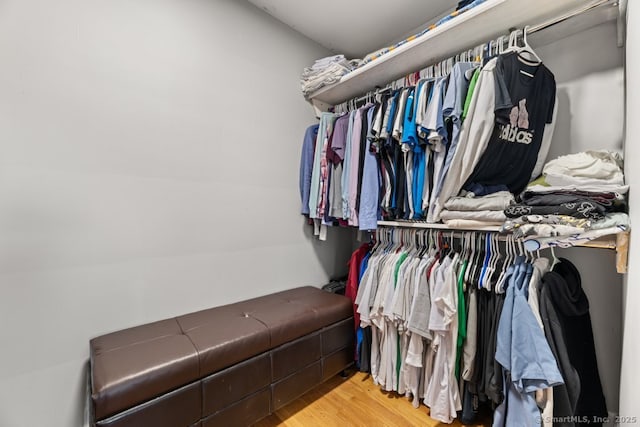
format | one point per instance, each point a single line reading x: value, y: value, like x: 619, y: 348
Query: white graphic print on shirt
x: 518, y: 128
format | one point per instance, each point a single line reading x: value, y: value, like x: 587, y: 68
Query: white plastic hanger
x: 496, y: 258
x: 471, y: 255
x: 554, y: 258
x: 531, y: 57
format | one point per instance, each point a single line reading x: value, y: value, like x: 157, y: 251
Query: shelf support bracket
x: 319, y: 107
x: 622, y: 22
x: 622, y: 251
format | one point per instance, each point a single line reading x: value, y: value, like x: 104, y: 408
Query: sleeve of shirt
x: 449, y: 102
x: 552, y: 104
x: 470, y: 92
x: 474, y: 137
x: 502, y: 98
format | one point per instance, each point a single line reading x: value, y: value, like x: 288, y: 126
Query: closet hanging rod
x: 561, y: 18
x: 618, y: 242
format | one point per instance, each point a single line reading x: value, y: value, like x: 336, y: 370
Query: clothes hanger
x: 415, y: 250
x: 472, y: 247
x: 389, y: 244
x: 482, y: 254
x: 421, y: 243
x: 485, y: 263
x: 451, y: 242
x: 473, y: 263
x: 555, y: 259
x: 493, y: 268
x: 464, y: 253
x: 379, y: 236
x: 463, y: 246
x: 482, y: 266
x: 492, y: 255
x: 527, y: 47
x: 533, y: 58
x: 499, y: 288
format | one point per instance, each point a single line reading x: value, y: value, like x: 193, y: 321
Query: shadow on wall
x: 84, y: 389
x: 590, y: 114
x: 333, y: 254
x: 560, y: 144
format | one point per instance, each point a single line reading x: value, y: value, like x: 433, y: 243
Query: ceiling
x: 356, y: 27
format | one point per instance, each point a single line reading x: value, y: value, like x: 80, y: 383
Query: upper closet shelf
x: 472, y: 28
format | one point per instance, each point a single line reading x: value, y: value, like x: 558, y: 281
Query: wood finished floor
x: 352, y: 401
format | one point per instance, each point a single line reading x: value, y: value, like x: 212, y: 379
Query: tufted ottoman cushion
x: 144, y: 366
x: 134, y: 365
x: 291, y: 314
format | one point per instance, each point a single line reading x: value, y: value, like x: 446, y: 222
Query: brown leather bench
x: 225, y: 366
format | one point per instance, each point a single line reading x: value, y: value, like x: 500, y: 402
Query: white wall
x: 149, y: 156
x: 590, y: 116
x: 629, y: 391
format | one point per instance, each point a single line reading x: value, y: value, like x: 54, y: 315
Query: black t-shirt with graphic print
x: 525, y: 97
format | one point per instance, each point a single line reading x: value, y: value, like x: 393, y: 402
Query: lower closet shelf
x: 618, y: 241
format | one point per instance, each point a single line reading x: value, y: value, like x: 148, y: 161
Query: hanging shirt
x: 354, y: 162
x: 419, y: 170
x: 424, y: 95
x: 524, y: 353
x: 335, y: 155
x: 521, y: 114
x: 323, y: 192
x: 452, y: 107
x: 346, y: 167
x: 437, y: 139
x: 306, y: 166
x: 398, y: 122
x: 389, y: 116
x: 472, y: 87
x: 462, y: 316
x: 369, y: 191
x: 314, y: 192
x: 367, y: 114
x: 409, y: 132
x: 474, y: 137
x: 442, y: 394
x: 563, y: 283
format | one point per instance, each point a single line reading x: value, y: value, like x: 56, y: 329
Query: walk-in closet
x: 290, y: 213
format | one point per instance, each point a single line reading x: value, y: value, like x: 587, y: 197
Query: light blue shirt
x: 435, y: 123
x: 524, y: 353
x: 452, y: 110
x: 346, y: 167
x: 370, y: 188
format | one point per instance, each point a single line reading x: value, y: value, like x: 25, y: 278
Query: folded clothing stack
x: 574, y: 203
x: 462, y: 7
x: 471, y: 211
x: 326, y: 71
x: 577, y: 193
